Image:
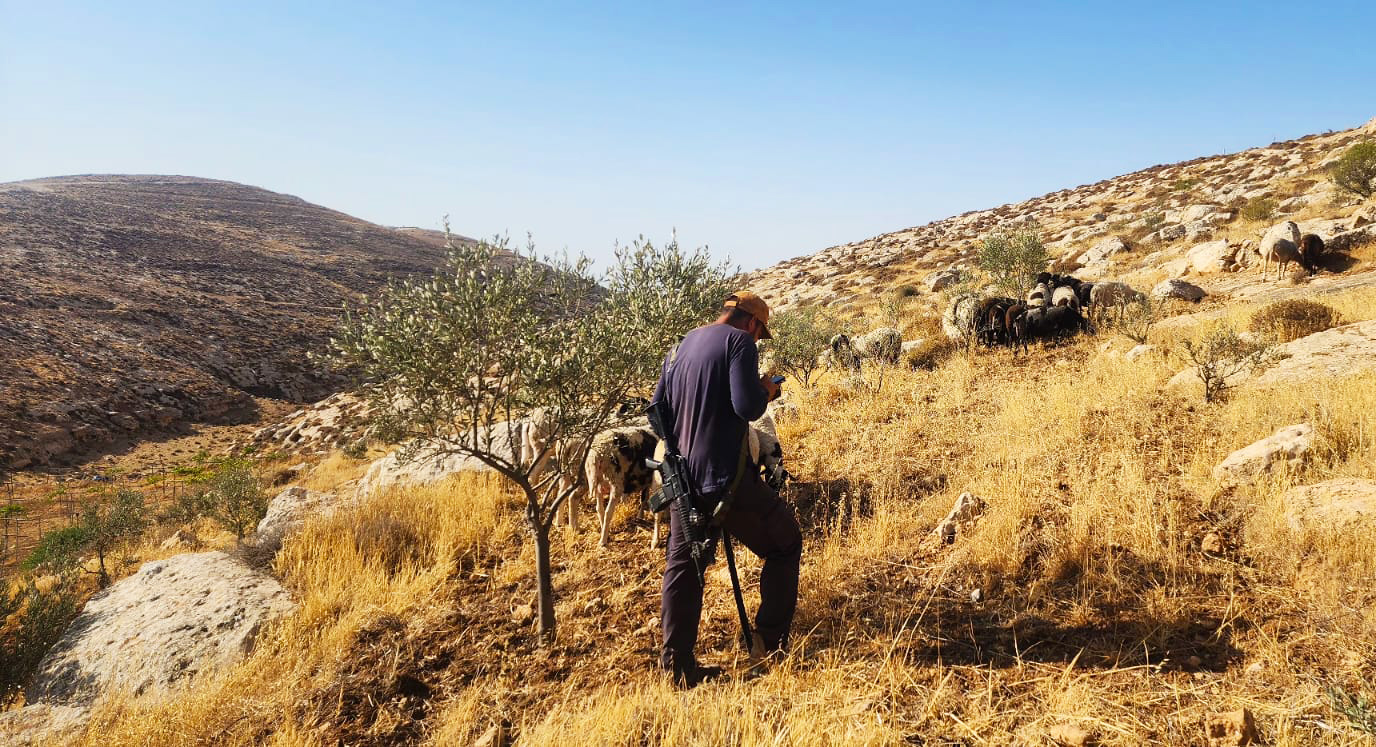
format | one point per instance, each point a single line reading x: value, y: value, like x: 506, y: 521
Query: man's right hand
x: 770, y: 387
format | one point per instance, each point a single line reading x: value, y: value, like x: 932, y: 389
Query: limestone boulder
x: 42, y: 724
x: 1349, y: 240
x: 1104, y: 250
x: 1342, y: 503
x: 1365, y: 216
x: 1211, y: 256
x: 1289, y: 446
x: 288, y: 512
x: 1177, y: 288
x: 412, y: 465
x: 173, y: 619
x: 1341, y: 351
x: 943, y: 279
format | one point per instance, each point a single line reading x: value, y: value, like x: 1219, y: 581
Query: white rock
x: 1176, y: 288
x: 1337, y: 352
x: 288, y: 512
x: 1139, y: 351
x: 1103, y: 250
x: 1288, y: 446
x: 173, y: 619
x: 943, y: 279
x: 42, y: 724
x: 1211, y: 256
x: 1334, y: 504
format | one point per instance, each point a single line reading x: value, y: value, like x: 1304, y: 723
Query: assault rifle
x: 701, y: 524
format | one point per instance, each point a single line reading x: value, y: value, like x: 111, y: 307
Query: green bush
x: 111, y: 522
x: 1289, y: 320
x: 236, y: 498
x: 58, y: 549
x: 1013, y: 257
x: 1355, y: 172
x: 1220, y: 356
x: 800, y: 336
x: 1258, y: 208
x: 32, y: 619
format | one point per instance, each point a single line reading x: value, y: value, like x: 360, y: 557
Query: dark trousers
x: 761, y: 521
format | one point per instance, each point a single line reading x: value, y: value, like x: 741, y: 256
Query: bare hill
x: 1139, y: 227
x: 136, y: 303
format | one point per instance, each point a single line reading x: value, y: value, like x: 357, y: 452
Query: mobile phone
x: 777, y: 379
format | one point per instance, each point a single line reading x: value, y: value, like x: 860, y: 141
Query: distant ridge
x: 136, y: 303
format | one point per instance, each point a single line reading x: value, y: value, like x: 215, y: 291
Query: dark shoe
x: 694, y: 676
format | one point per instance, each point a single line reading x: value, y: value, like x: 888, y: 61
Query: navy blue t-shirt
x: 713, y: 389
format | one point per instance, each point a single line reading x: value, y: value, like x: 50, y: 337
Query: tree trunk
x: 544, y: 583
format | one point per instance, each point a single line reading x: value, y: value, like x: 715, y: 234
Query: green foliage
x: 1258, y: 208
x: 235, y: 497
x: 1184, y: 185
x: 1358, y: 709
x: 1221, y: 355
x: 1294, y: 318
x: 1013, y: 257
x: 58, y: 549
x: 907, y: 291
x: 457, y: 361
x: 32, y: 619
x: 1355, y: 171
x: 1153, y: 221
x: 111, y: 523
x: 800, y: 337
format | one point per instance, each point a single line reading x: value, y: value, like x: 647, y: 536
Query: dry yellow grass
x: 1098, y: 606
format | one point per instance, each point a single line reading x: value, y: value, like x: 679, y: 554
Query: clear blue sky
x: 763, y: 130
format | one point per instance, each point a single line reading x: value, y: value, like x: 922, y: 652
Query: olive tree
x: 1355, y: 171
x: 460, y: 362
x: 1013, y: 257
x: 800, y: 337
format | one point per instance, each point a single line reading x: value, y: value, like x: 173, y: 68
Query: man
x: 713, y: 387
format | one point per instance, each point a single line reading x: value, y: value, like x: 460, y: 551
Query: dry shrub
x: 930, y: 352
x: 1294, y: 318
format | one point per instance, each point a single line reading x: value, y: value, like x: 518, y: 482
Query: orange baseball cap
x: 752, y: 305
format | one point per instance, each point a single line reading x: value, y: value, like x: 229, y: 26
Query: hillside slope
x: 135, y: 303
x: 1159, y: 213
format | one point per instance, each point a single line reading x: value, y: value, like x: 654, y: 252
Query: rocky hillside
x: 1139, y: 227
x: 137, y: 303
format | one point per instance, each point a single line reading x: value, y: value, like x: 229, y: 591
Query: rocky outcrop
x: 1341, y: 351
x: 1211, y: 256
x: 1342, y: 503
x: 288, y: 512
x: 157, y: 629
x: 409, y: 465
x: 1177, y: 288
x: 42, y: 724
x: 332, y: 423
x: 1287, y: 447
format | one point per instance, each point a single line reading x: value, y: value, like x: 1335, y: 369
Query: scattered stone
x: 523, y: 613
x: 1177, y: 288
x: 1211, y: 544
x: 1288, y: 446
x: 157, y: 629
x: 1364, y: 216
x: 1343, y: 502
x: 1255, y: 669
x: 943, y: 279
x: 1069, y: 735
x: 1102, y: 251
x: 966, y: 511
x: 1138, y: 351
x: 977, y: 595
x: 1231, y: 729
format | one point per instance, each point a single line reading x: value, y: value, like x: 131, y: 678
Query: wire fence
x: 33, y: 505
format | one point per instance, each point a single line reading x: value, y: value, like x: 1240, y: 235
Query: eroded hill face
x: 1160, y: 214
x: 130, y: 304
